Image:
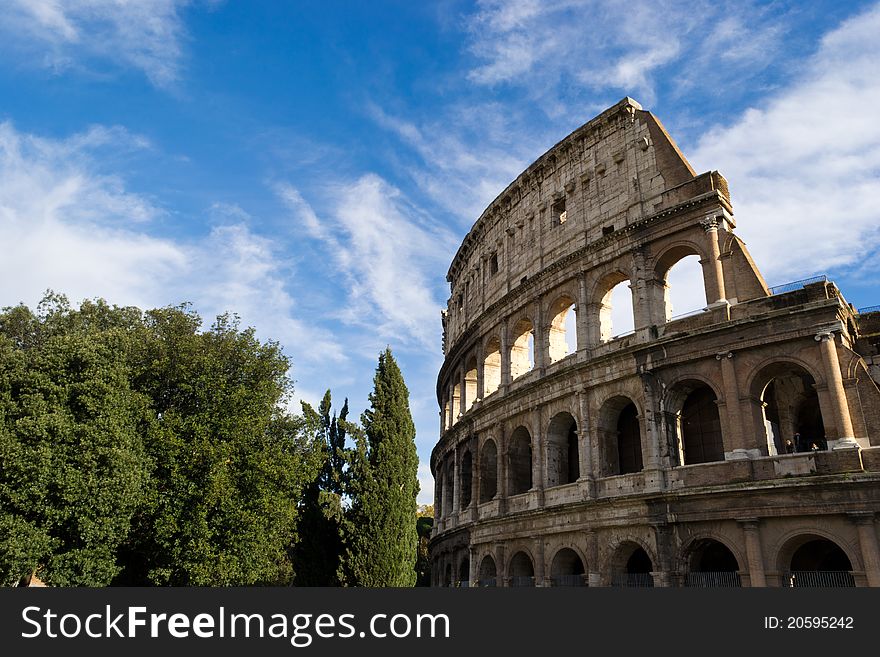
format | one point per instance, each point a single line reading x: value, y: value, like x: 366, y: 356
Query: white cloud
x: 388, y: 252
x: 561, y: 49
x: 143, y: 34
x: 804, y: 168
x: 69, y: 227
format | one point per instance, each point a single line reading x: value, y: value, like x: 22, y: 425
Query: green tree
x: 380, y: 528
x: 318, y: 552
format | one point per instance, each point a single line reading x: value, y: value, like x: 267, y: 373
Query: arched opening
x: 522, y: 572
x: 448, y: 487
x: 563, y: 329
x: 441, y: 507
x: 698, y: 424
x: 712, y: 565
x: 616, y: 316
x: 492, y: 367
x: 456, y: 402
x: 467, y: 471
x: 464, y: 573
x: 488, y: 471
x: 563, y: 462
x: 567, y: 569
x: 447, y: 575
x: 792, y: 418
x: 470, y: 383
x: 522, y: 353
x: 620, y: 434
x: 447, y: 407
x: 818, y: 562
x: 681, y: 289
x: 632, y: 568
x: 487, y: 573
x: 519, y: 462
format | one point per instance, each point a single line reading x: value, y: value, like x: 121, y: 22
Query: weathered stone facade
x: 657, y: 457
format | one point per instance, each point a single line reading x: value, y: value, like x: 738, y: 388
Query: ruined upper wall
x: 617, y: 169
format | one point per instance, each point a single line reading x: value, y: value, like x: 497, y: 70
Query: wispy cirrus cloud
x: 145, y: 35
x: 560, y: 50
x: 387, y: 251
x: 804, y: 166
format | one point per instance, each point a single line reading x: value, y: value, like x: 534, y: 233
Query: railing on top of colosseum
x: 868, y: 309
x: 690, y: 313
x: 712, y: 580
x: 819, y: 578
x: 632, y: 581
x: 797, y: 285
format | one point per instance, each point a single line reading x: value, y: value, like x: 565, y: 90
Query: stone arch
x: 602, y: 295
x: 447, y: 575
x: 519, y: 461
x: 620, y: 436
x: 521, y: 569
x: 522, y: 350
x: 487, y: 575
x: 631, y: 564
x: 788, y: 412
x: 492, y: 366
x: 466, y: 478
x: 663, y: 289
x: 815, y: 558
x: 488, y: 471
x: 562, y: 333
x: 692, y: 412
x: 567, y: 568
x: 563, y: 460
x: 709, y: 562
x: 470, y: 383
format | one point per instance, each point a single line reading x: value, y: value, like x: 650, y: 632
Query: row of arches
x: 791, y: 421
x: 805, y: 561
x: 612, y: 313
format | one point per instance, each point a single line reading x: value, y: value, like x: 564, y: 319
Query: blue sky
x: 313, y: 166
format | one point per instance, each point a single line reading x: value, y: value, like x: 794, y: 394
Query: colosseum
x: 737, y: 445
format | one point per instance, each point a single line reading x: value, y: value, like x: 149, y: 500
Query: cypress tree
x: 383, y: 483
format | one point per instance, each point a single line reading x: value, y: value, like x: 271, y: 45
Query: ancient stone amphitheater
x: 738, y: 445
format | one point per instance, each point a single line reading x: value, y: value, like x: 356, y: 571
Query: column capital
x: 724, y: 354
x: 710, y: 223
x: 824, y: 336
x: 749, y: 524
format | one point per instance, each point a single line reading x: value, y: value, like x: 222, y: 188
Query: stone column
x: 716, y: 284
x: 753, y: 551
x: 836, y: 393
x: 538, y: 474
x: 505, y: 356
x: 734, y: 447
x: 541, y: 578
x: 585, y: 445
x: 475, y: 478
x: 456, y: 484
x: 463, y: 403
x: 481, y: 362
x: 542, y: 345
x: 473, y: 566
x: 501, y: 481
x: 501, y: 578
x: 864, y: 521
x: 438, y: 483
x: 582, y: 325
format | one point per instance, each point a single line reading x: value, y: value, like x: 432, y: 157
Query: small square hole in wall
x: 558, y: 213
x: 493, y: 264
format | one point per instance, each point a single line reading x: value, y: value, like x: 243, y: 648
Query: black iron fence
x: 712, y: 580
x: 632, y: 581
x: 797, y: 285
x: 569, y: 580
x: 833, y: 579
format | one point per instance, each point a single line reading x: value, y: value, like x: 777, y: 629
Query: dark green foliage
x: 424, y: 524
x: 380, y: 528
x: 317, y: 554
x: 134, y: 439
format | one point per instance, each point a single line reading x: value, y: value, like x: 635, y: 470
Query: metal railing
x: 568, y: 580
x: 632, y: 581
x: 487, y: 582
x: 690, y: 313
x: 712, y: 580
x: 868, y: 309
x: 797, y: 285
x: 834, y: 579
x: 522, y: 581
x: 463, y: 584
